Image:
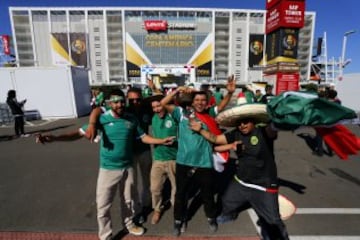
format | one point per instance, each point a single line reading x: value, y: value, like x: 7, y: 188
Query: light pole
x: 344, y: 62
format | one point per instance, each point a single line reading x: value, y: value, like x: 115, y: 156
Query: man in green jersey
x: 142, y: 151
x: 218, y: 94
x: 194, y: 160
x: 163, y: 166
x: 118, y: 129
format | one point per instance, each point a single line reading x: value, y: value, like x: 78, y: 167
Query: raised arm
x: 91, y: 130
x: 271, y: 132
x: 152, y: 86
x: 230, y: 87
x: 168, y: 98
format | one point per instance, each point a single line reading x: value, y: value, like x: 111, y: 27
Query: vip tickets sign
x: 285, y: 14
x: 283, y: 82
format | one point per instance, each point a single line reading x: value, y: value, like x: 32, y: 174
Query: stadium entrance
x: 168, y: 75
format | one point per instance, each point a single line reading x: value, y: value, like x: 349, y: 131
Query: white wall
x: 6, y: 84
x: 349, y: 91
x: 50, y: 91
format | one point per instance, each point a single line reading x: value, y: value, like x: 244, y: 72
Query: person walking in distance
x: 268, y: 94
x: 17, y: 112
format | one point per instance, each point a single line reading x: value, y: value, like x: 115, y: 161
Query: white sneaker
x: 25, y: 135
x: 136, y: 230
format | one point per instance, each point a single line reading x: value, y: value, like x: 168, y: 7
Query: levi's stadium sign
x: 155, y: 25
x: 162, y: 25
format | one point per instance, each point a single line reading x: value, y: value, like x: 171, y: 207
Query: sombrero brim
x: 232, y: 117
x: 286, y: 207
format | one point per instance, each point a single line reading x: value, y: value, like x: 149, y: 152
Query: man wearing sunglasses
x: 119, y: 129
x: 142, y: 153
x: 255, y: 179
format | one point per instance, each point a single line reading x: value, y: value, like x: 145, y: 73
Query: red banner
x: 285, y: 14
x: 287, y: 82
x: 6, y: 44
x: 155, y: 25
x: 271, y: 3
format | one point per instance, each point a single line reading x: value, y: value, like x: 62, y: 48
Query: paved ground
x: 48, y: 191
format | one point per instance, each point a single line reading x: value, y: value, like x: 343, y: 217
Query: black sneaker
x: 139, y: 219
x: 213, y: 224
x: 226, y: 218
x: 177, y: 228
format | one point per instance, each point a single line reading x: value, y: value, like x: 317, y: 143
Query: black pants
x: 19, y: 125
x: 265, y: 204
x: 186, y: 178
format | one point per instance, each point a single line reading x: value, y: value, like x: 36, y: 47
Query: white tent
x: 59, y: 92
x: 349, y: 91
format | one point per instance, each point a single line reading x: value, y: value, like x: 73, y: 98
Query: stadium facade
x: 122, y: 45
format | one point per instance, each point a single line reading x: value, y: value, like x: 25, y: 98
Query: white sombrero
x: 286, y: 207
x: 232, y: 117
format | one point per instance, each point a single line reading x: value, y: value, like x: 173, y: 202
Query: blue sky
x: 332, y: 16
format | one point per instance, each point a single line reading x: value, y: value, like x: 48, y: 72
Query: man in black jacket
x: 17, y: 112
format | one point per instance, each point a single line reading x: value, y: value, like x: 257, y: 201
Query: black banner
x: 282, y: 44
x: 132, y: 70
x: 204, y: 70
x: 256, y: 49
x: 78, y: 49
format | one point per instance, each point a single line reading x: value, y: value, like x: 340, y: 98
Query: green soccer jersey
x: 116, y: 145
x: 194, y: 150
x: 162, y: 128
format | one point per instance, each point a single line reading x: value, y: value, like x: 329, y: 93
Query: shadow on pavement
x: 12, y: 137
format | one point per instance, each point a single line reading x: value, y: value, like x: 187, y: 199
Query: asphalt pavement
x: 48, y: 191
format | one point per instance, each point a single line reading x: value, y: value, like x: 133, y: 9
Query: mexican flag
x: 291, y: 110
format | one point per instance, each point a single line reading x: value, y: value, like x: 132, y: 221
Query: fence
x: 5, y: 114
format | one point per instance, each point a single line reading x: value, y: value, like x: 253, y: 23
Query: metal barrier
x: 5, y: 114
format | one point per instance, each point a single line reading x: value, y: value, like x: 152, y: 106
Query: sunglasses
x: 244, y: 121
x: 132, y: 100
x: 118, y: 101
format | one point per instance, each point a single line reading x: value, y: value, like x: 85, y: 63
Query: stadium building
x: 124, y: 45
